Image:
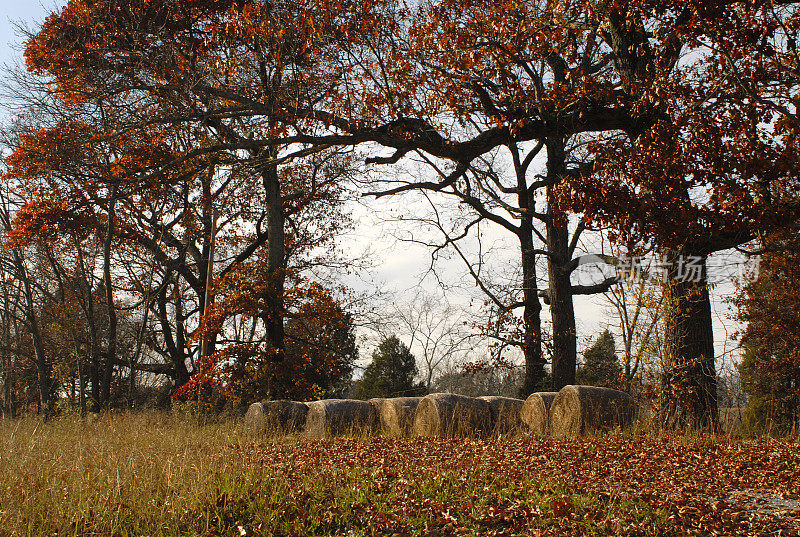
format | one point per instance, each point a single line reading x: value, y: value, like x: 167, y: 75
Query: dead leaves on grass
x: 612, y: 485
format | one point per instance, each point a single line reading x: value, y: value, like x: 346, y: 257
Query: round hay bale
x: 377, y: 401
x: 505, y: 413
x: 336, y: 417
x: 396, y: 414
x: 578, y: 410
x: 535, y: 413
x: 276, y: 416
x: 448, y: 414
x: 255, y: 419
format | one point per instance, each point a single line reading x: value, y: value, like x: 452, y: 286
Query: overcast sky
x: 398, y: 266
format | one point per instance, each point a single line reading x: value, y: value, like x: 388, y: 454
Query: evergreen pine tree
x: 600, y: 364
x: 391, y: 373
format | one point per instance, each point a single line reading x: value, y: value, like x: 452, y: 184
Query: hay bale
x: 535, y: 413
x: 396, y: 414
x: 276, y: 416
x: 505, y: 413
x: 255, y: 419
x: 448, y: 414
x: 336, y: 417
x: 377, y: 401
x: 579, y: 410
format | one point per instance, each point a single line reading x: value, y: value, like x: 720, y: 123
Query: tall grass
x: 119, y: 474
x: 161, y: 475
x: 167, y: 475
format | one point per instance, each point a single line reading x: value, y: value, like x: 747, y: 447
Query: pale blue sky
x: 27, y: 12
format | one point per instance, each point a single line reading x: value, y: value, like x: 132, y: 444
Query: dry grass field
x: 154, y: 475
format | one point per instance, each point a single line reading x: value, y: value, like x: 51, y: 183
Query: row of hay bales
x: 574, y: 411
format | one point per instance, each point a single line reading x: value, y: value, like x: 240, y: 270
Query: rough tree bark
x: 532, y: 308
x: 690, y: 381
x: 276, y: 255
x: 531, y: 318
x: 562, y: 309
x: 560, y: 293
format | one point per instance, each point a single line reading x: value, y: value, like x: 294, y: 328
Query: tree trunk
x: 276, y: 260
x: 94, y: 336
x: 7, y: 368
x: 42, y: 366
x: 532, y: 309
x: 7, y: 379
x: 208, y: 340
x: 562, y: 309
x: 531, y: 318
x: 690, y: 381
x: 82, y: 388
x: 111, y: 351
x: 173, y: 341
x: 137, y: 354
x: 94, y: 378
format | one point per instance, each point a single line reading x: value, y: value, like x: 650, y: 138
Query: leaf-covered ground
x: 147, y: 475
x: 609, y: 485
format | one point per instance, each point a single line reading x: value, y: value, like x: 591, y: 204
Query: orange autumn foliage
x: 320, y: 347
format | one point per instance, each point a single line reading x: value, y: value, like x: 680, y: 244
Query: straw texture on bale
x: 447, y: 414
x: 397, y: 414
x: 505, y: 413
x: 336, y: 417
x: 280, y: 416
x: 579, y: 410
x: 535, y: 413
